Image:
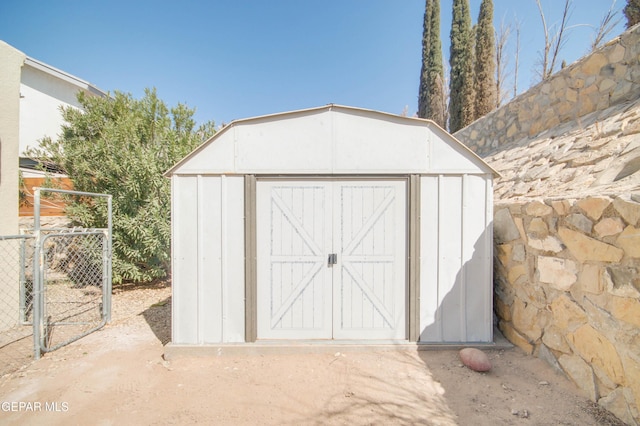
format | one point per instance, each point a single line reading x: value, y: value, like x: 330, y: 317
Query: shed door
x: 301, y: 294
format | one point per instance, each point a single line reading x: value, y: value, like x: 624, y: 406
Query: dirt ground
x: 118, y: 376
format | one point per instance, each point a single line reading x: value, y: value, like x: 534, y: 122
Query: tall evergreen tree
x: 632, y: 12
x: 461, y: 111
x: 436, y: 107
x: 423, y: 95
x: 432, y: 103
x: 485, y: 62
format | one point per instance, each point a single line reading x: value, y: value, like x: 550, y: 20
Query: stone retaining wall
x: 568, y: 291
x: 604, y: 78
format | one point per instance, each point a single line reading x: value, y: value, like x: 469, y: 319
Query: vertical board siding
x: 185, y: 260
x: 477, y: 261
x: 450, y: 259
x: 208, y: 265
x: 429, y: 328
x: 455, y: 259
x: 233, y: 261
x: 209, y: 232
x: 488, y: 250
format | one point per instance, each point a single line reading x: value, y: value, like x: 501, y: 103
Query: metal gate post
x: 109, y: 260
x: 38, y: 270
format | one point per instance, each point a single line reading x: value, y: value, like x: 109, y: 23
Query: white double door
x: 331, y: 259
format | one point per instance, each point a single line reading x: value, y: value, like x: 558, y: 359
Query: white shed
x: 332, y: 223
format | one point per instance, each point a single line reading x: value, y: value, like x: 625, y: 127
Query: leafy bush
x: 121, y: 146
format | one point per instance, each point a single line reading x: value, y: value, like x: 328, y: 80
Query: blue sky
x: 234, y: 59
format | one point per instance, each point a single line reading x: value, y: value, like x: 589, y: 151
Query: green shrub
x: 121, y: 146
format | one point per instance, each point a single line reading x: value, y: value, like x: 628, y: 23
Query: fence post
x: 37, y: 277
x: 108, y: 284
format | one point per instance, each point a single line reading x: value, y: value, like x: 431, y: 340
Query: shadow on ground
x: 370, y: 388
x: 158, y: 316
x: 135, y: 299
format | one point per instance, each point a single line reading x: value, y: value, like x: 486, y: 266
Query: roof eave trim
x: 48, y: 69
x: 435, y: 125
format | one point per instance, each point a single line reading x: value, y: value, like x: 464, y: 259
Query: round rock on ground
x: 475, y: 359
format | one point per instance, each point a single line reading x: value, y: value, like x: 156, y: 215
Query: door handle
x: 333, y: 259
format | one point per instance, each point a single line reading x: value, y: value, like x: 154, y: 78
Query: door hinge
x: 333, y: 259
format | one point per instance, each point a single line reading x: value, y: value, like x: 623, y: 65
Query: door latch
x: 333, y: 259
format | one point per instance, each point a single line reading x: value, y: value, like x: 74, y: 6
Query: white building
x: 11, y: 61
x: 334, y: 224
x: 43, y: 91
x: 31, y: 95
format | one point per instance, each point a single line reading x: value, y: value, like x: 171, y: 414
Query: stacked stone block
x: 568, y: 290
x: 607, y: 77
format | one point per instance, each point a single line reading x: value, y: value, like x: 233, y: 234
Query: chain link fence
x: 55, y: 286
x: 16, y: 302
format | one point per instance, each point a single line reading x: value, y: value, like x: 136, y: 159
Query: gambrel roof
x: 331, y: 139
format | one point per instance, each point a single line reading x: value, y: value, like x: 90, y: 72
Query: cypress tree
x: 632, y: 12
x: 485, y: 63
x: 431, y: 101
x: 423, y: 95
x: 461, y: 111
x: 436, y: 105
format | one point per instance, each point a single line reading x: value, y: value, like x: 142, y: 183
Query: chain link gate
x: 72, y: 285
x: 55, y: 285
